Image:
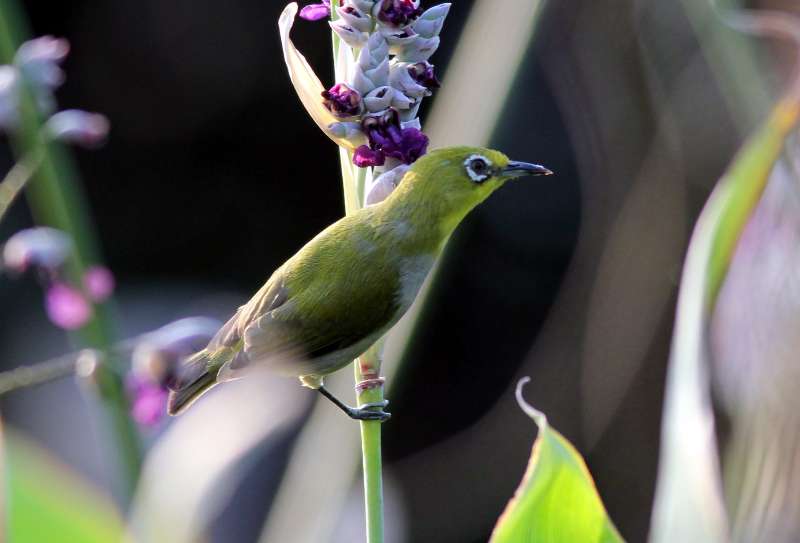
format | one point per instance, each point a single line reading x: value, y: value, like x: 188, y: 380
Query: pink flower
x: 148, y: 400
x: 99, y: 283
x: 66, y: 307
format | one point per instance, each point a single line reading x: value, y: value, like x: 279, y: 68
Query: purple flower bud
x: 79, y: 127
x: 42, y: 247
x: 422, y: 73
x: 66, y: 306
x: 148, y: 400
x: 398, y: 12
x: 365, y: 157
x: 315, y: 12
x: 343, y: 101
x: 385, y: 134
x: 99, y: 283
x: 39, y: 60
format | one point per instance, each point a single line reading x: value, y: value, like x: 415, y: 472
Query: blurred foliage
x: 48, y: 502
x: 689, y: 503
x: 556, y: 500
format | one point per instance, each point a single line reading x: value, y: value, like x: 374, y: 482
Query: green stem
x: 370, y: 390
x: 56, y: 200
x: 368, y: 366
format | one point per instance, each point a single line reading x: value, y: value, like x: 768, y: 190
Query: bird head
x: 459, y: 178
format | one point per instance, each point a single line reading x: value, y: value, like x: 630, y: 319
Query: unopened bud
x: 78, y: 127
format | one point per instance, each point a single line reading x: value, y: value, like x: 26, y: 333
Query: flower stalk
x: 367, y: 367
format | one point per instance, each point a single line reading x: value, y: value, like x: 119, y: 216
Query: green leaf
x: 46, y: 501
x: 556, y: 500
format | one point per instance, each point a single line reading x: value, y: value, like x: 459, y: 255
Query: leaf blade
x: 557, y: 500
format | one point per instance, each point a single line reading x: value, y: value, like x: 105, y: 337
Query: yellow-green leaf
x: 556, y: 502
x: 45, y: 501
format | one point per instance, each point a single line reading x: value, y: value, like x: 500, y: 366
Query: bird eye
x: 478, y: 168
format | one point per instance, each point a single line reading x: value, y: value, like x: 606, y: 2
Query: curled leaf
x: 556, y: 500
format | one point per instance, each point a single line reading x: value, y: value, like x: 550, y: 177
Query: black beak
x: 521, y: 169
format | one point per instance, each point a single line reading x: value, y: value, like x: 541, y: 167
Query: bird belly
x: 336, y: 360
x: 412, y: 274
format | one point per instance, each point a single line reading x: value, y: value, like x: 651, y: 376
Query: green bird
x: 349, y: 285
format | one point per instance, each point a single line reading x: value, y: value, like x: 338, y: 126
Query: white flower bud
x: 413, y: 123
x: 365, y: 6
x: 410, y: 114
x: 401, y: 79
x: 397, y: 38
x: 350, y: 35
x: 365, y: 81
x: 374, y: 53
x: 401, y: 101
x: 355, y: 18
x: 348, y: 130
x: 419, y: 50
x: 384, y: 184
x: 431, y: 21
x: 379, y: 98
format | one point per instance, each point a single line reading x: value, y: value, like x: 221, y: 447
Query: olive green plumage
x: 346, y: 287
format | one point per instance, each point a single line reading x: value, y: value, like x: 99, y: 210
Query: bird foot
x: 370, y: 411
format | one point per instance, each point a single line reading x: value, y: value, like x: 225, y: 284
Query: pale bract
x: 306, y: 83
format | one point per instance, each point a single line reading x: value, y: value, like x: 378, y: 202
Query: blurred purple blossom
x: 41, y: 247
x: 315, y: 12
x: 40, y: 59
x: 155, y: 359
x: 158, y: 353
x: 66, y: 306
x: 148, y: 400
x: 78, y: 127
x: 99, y: 283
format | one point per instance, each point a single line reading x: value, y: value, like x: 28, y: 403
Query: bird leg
x: 368, y: 411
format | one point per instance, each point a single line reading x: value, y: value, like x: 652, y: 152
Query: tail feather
x: 181, y: 399
x: 197, y: 376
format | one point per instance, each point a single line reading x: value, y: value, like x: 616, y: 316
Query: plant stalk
x: 369, y: 384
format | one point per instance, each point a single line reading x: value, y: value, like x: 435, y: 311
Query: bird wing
x: 336, y: 291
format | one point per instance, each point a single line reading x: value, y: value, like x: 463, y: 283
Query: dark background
x: 213, y: 175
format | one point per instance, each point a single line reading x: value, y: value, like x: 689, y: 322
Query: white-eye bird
x: 349, y: 285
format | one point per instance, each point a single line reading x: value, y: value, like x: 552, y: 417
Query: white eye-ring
x: 479, y: 168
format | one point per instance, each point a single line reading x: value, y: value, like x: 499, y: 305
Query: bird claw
x: 370, y: 411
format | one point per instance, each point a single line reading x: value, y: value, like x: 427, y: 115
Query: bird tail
x: 196, y: 376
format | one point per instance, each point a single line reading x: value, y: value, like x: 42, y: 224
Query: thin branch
x: 16, y: 179
x: 38, y: 374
